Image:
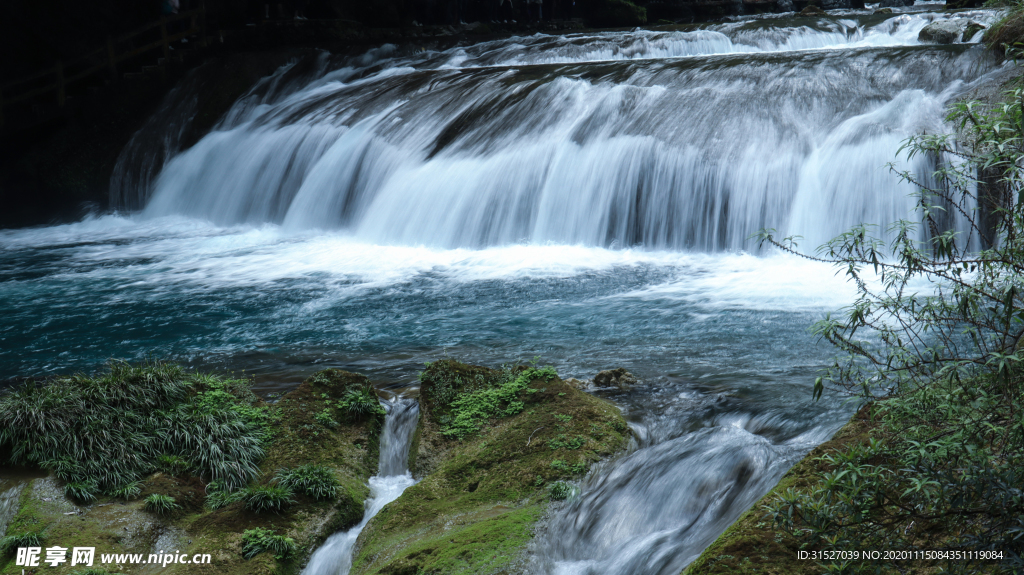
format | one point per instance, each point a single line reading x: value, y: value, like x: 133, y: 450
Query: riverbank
x: 492, y: 450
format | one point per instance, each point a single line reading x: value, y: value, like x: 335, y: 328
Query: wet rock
x: 883, y: 11
x: 940, y: 32
x: 971, y: 29
x: 895, y: 3
x: 812, y: 11
x: 578, y: 384
x: 617, y: 377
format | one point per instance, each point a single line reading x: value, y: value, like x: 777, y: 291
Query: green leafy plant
x: 172, y: 464
x: 11, y: 543
x: 263, y: 498
x: 316, y: 481
x: 563, y: 442
x: 326, y: 419
x: 574, y: 469
x: 218, y: 496
x: 560, y: 490
x: 501, y: 399
x: 258, y: 540
x: 160, y: 504
x: 81, y: 491
x: 127, y: 491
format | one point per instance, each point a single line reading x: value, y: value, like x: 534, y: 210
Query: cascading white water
x: 334, y: 557
x: 567, y: 140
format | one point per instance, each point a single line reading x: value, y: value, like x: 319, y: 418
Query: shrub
x: 316, y: 481
x: 10, y: 543
x: 264, y: 498
x: 258, y: 540
x: 160, y: 504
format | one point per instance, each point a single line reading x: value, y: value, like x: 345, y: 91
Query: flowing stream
x: 334, y: 557
x: 587, y: 198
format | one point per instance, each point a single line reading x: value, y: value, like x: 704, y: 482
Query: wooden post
x: 61, y: 96
x: 111, y: 59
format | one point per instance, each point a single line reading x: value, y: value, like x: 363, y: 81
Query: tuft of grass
x: 218, y: 496
x: 264, y: 498
x: 360, y: 402
x: 316, y: 481
x: 83, y: 492
x: 10, y: 543
x: 258, y: 540
x: 160, y: 504
x: 115, y: 428
x: 127, y: 491
x: 172, y: 464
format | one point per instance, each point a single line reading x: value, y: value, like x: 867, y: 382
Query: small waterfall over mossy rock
x: 334, y: 557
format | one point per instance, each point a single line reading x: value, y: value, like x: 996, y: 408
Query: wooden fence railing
x: 56, y: 80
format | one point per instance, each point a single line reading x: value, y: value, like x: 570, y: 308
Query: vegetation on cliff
x: 494, y: 447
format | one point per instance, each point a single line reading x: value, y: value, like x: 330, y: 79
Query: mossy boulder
x: 482, y: 492
x: 307, y: 426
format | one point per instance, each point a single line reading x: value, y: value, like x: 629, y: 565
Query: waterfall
x: 668, y: 140
x: 334, y: 557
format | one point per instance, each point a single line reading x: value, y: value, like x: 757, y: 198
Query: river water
x: 587, y: 199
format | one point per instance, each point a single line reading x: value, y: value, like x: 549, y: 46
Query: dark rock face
x: 958, y: 4
x: 617, y: 377
x: 813, y: 11
x: 883, y: 11
x: 940, y: 32
x: 895, y: 3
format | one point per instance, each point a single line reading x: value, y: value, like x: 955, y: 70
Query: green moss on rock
x: 481, y: 496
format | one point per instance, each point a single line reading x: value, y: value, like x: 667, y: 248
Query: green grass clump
x: 10, y: 543
x: 83, y: 492
x: 91, y: 572
x: 264, y: 498
x: 127, y: 491
x: 258, y: 540
x: 160, y: 504
x: 360, y: 402
x: 316, y: 481
x: 115, y: 428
